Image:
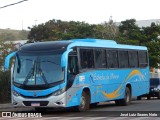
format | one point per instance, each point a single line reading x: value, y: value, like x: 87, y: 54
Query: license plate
x: 35, y: 104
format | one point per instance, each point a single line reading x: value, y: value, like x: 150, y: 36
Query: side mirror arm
x: 7, y: 60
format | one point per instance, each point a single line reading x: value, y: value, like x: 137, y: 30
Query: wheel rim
x: 82, y: 105
x: 127, y: 96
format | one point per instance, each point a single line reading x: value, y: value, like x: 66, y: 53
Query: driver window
x: 73, y: 65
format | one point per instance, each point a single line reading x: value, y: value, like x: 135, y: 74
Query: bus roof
x: 102, y: 43
x: 69, y: 44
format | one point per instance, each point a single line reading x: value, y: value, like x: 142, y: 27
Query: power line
x: 13, y: 4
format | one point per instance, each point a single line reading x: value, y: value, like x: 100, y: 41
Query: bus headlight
x: 16, y: 93
x: 58, y: 92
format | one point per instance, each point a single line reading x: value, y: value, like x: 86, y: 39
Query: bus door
x: 72, y: 71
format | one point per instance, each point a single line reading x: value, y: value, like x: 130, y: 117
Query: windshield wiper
x: 43, y: 76
x: 29, y: 74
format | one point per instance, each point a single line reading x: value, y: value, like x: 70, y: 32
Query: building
x: 147, y: 23
x: 144, y: 23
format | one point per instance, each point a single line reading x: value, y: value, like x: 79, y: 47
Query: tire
x: 93, y: 105
x: 118, y: 102
x: 139, y: 98
x: 158, y: 96
x: 148, y: 97
x: 84, y: 102
x: 127, y: 98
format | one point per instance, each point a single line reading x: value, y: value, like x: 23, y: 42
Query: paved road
x: 110, y: 110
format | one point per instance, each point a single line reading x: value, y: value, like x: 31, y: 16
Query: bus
x: 77, y: 73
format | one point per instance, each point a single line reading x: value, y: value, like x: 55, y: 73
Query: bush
x: 5, y: 87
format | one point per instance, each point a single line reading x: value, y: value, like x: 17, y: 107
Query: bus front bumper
x: 51, y: 101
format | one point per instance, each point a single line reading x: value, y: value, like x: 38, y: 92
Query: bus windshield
x: 38, y: 70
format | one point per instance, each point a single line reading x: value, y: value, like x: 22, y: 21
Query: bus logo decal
x: 35, y: 95
x: 116, y: 93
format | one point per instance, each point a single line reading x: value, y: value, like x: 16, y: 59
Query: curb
x: 6, y: 105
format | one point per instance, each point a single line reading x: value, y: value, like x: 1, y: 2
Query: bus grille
x: 42, y: 103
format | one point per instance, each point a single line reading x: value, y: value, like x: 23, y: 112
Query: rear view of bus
x: 78, y: 73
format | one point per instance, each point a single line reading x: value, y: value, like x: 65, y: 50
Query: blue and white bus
x: 78, y: 73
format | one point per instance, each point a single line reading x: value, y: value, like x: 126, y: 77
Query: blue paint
x: 7, y: 60
x: 98, y: 81
x: 38, y: 92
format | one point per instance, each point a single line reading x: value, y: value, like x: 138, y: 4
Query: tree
x: 63, y: 30
x: 130, y: 33
x: 154, y: 53
x: 5, y: 79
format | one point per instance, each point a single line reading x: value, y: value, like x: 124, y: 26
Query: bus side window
x: 87, y: 58
x: 123, y: 59
x: 100, y: 58
x: 112, y: 58
x: 133, y: 59
x: 143, y: 60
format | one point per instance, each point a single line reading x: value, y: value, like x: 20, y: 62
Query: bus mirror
x: 7, y: 60
x: 64, y: 58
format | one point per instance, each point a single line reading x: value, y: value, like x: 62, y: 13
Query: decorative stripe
x: 116, y: 93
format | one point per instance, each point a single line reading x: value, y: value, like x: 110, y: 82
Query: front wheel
x: 84, y: 102
x: 126, y: 100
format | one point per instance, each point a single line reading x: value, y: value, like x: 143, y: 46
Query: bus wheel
x: 139, y: 98
x: 84, y: 102
x: 93, y: 104
x: 118, y: 102
x: 148, y: 97
x: 158, y: 96
x: 127, y: 98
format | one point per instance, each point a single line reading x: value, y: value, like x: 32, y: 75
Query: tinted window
x: 100, y: 58
x: 133, y: 59
x: 112, y: 59
x: 143, y: 61
x: 72, y: 65
x: 87, y: 58
x: 123, y: 59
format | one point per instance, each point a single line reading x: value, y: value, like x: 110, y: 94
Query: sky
x: 34, y: 12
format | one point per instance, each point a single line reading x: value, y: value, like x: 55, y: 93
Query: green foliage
x: 5, y: 49
x: 130, y: 33
x: 62, y: 30
x: 5, y: 87
x: 11, y: 35
x: 127, y: 33
x: 154, y: 52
